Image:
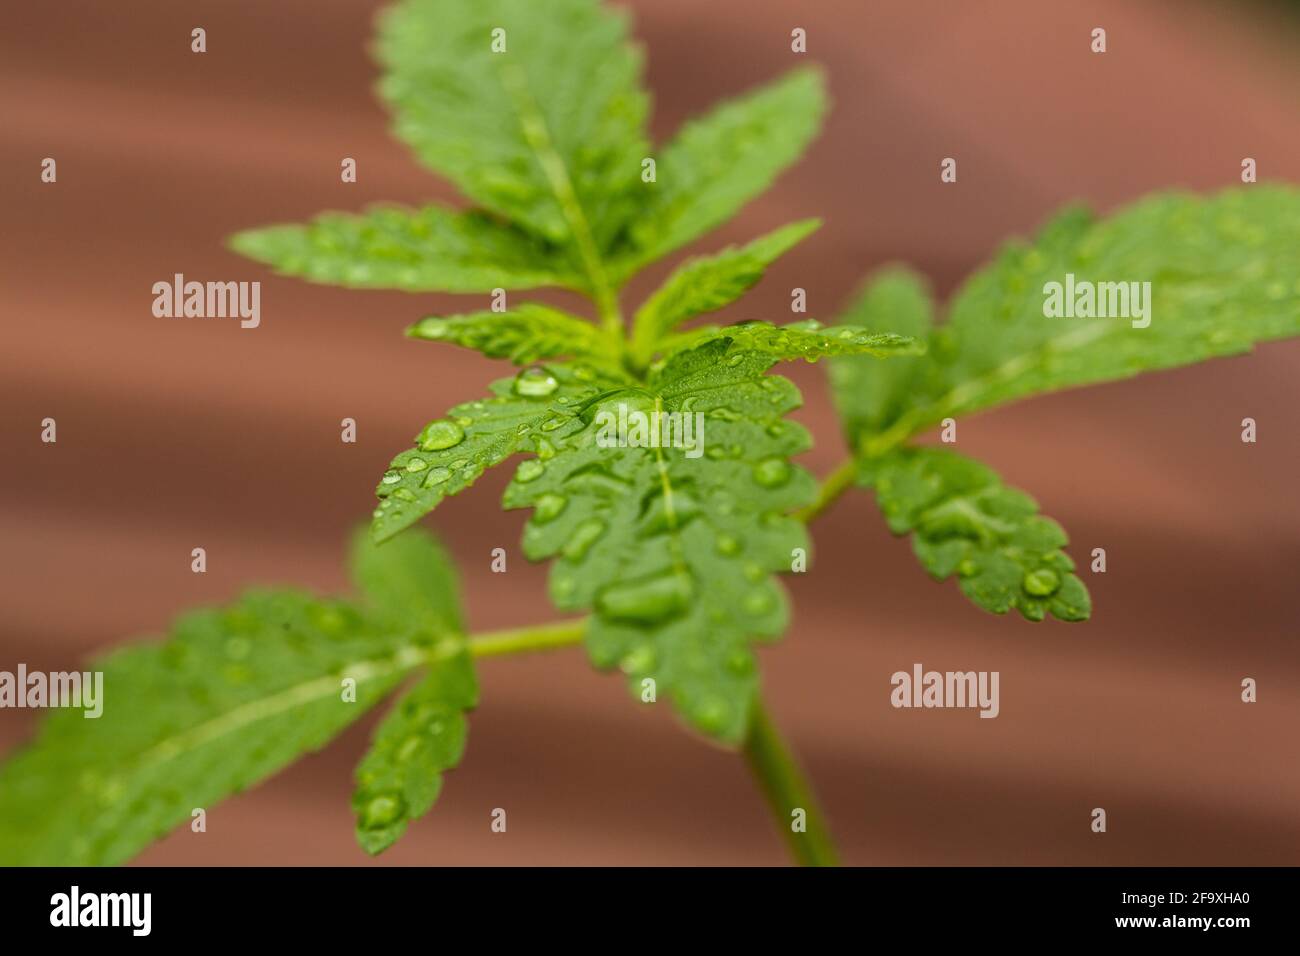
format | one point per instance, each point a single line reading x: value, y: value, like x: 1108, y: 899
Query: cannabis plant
x: 664, y: 555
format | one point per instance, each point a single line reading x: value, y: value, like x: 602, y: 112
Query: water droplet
x: 755, y: 572
x: 647, y: 601
x: 441, y: 434
x: 772, y: 472
x: 404, y: 494
x: 545, y: 450
x: 382, y: 810
x: 967, y: 568
x: 408, y: 748
x: 553, y: 423
x: 711, y: 714
x: 735, y: 360
x: 416, y: 464
x: 392, y: 477
x: 535, y: 383
x: 1041, y: 583
x: 728, y: 544
x: 660, y: 513
x: 740, y: 661
x: 464, y: 421
x: 583, y: 537
x: 758, y: 602
x: 436, y: 477
x: 640, y: 660
x: 529, y: 470
x: 549, y: 508
x: 458, y: 463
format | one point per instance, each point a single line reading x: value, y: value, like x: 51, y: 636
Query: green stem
x: 786, y: 790
x: 834, y: 486
x: 611, y: 316
x: 519, y: 640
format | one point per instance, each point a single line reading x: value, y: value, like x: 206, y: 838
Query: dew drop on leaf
x: 549, y: 507
x: 562, y: 589
x: 583, y: 537
x: 772, y: 472
x: 416, y: 464
x: 648, y: 601
x: 382, y: 811
x: 640, y: 660
x: 711, y: 714
x: 441, y: 434
x: 1041, y: 583
x: 740, y: 662
x: 728, y: 544
x: 436, y: 477
x: 529, y: 470
x: 392, y: 477
x: 535, y: 383
x: 758, y: 602
x: 409, y: 747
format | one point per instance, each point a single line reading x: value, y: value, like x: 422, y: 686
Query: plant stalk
x: 787, y: 790
x: 519, y: 640
x: 834, y: 486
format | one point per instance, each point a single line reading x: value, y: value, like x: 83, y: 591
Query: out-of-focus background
x: 178, y: 434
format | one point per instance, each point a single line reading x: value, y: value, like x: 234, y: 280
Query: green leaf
x: 964, y: 521
x: 427, y: 250
x: 410, y: 581
x: 718, y: 163
x: 709, y: 283
x: 423, y: 735
x: 869, y: 395
x: 674, y: 547
x: 807, y: 340
x: 1224, y: 275
x: 232, y: 696
x: 549, y: 133
x: 524, y: 334
x: 452, y: 452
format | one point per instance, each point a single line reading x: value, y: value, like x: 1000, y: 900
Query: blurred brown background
x: 177, y: 434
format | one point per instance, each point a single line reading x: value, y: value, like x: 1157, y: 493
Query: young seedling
x: 657, y: 462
